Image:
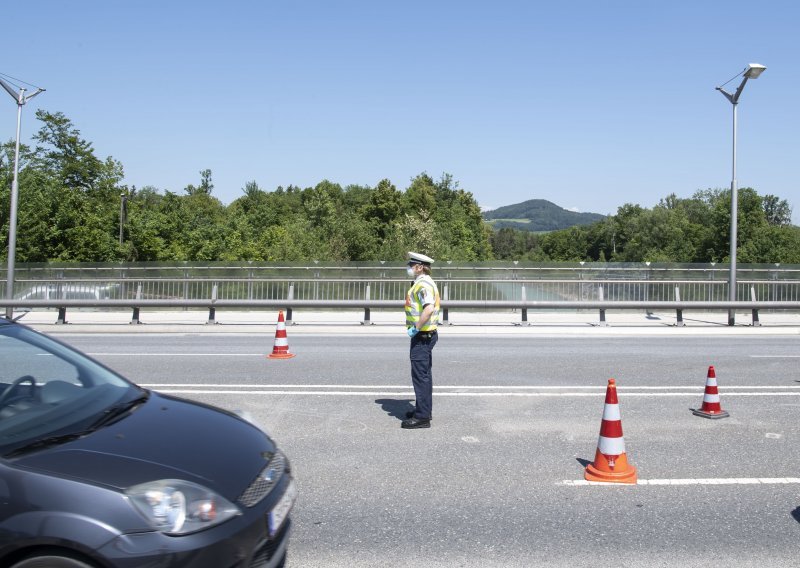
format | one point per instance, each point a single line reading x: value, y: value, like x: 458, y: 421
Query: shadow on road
x: 796, y: 514
x: 396, y: 408
x: 583, y: 462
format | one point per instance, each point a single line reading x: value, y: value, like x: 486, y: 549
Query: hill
x: 538, y: 215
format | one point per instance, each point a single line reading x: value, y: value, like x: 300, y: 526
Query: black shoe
x: 410, y: 414
x: 416, y: 423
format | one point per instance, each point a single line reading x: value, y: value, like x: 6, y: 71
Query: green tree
x: 421, y: 195
x: 777, y: 211
x: 206, y: 185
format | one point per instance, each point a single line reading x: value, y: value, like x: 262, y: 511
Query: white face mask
x: 410, y: 272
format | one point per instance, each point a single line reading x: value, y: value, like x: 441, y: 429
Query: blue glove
x: 412, y: 331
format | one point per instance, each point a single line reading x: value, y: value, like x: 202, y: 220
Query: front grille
x: 265, y: 482
x: 266, y: 551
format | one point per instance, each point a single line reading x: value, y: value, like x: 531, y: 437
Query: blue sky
x: 589, y: 104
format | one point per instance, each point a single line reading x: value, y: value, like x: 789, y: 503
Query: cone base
x: 712, y: 415
x: 280, y: 355
x: 594, y: 474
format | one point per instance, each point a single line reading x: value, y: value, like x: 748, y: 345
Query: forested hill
x: 538, y: 215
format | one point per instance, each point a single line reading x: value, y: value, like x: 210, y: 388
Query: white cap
x: 419, y: 258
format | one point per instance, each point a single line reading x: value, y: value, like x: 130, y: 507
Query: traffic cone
x: 610, y: 461
x: 281, y: 348
x: 711, y: 407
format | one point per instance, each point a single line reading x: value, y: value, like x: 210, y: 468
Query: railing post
x: 366, y: 310
x: 185, y: 286
x: 123, y: 287
x: 135, y: 318
x: 524, y: 298
x: 679, y: 311
x: 753, y: 298
x: 601, y: 297
x: 446, y: 312
x: 290, y: 297
x: 62, y: 311
x: 212, y: 311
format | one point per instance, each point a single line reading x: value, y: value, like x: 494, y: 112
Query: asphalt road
x: 494, y: 482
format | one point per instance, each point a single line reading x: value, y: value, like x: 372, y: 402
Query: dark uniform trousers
x: 422, y: 346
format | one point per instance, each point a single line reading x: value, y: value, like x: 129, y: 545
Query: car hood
x: 163, y: 438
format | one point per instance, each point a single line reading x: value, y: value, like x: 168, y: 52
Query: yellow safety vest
x: 423, y: 287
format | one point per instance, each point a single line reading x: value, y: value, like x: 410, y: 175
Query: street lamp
x: 123, y: 210
x: 752, y: 71
x: 12, y: 221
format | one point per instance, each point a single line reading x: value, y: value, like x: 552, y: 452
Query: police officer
x: 422, y: 318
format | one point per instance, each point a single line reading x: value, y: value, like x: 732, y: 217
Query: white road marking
x: 707, y: 481
x: 450, y: 387
x: 439, y: 391
x: 178, y: 354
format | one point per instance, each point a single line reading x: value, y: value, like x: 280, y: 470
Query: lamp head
x: 754, y: 70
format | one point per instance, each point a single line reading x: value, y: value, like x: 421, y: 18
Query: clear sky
x: 589, y: 104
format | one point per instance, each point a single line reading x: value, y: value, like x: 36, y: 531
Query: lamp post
x: 752, y: 71
x: 123, y: 203
x: 12, y: 221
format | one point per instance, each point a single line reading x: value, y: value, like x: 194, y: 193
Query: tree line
x: 73, y: 207
x: 693, y: 230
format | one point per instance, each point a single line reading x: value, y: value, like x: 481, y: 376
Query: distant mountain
x: 538, y: 215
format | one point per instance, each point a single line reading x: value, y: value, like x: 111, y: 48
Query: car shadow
x: 396, y: 408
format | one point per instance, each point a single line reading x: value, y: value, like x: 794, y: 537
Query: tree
x: 566, y: 245
x: 777, y: 211
x: 206, y: 185
x: 65, y: 154
x: 421, y: 195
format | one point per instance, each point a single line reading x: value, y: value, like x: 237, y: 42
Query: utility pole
x: 21, y: 99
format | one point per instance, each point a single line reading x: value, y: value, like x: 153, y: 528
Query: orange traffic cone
x: 281, y: 348
x: 610, y: 461
x: 711, y: 407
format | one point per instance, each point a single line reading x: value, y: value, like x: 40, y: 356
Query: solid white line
x: 221, y: 390
x: 321, y: 393
x: 708, y: 481
x: 439, y: 387
x: 267, y: 353
x: 178, y: 354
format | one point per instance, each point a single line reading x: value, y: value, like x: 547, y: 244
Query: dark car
x: 98, y: 472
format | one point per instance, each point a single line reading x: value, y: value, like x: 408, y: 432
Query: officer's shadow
x: 396, y: 408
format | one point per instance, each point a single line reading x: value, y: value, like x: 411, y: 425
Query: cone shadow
x: 796, y: 514
x: 583, y: 462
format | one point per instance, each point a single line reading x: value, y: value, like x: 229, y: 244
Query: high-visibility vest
x: 414, y: 302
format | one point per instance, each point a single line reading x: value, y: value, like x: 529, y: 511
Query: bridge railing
x: 367, y: 294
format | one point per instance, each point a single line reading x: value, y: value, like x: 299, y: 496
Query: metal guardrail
x: 521, y: 288
x: 388, y: 289
x: 367, y: 304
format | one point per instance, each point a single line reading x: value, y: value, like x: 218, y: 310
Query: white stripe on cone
x: 611, y: 412
x: 611, y: 446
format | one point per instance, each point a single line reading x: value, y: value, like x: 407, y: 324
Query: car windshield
x: 49, y: 391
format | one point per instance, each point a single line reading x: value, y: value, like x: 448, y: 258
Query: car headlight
x: 178, y: 507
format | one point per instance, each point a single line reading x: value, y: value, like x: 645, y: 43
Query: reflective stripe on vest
x: 414, y: 305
